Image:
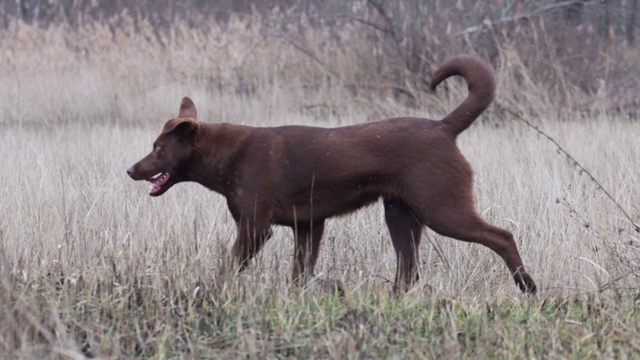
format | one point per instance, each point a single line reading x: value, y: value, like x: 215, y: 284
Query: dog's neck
x: 217, y: 146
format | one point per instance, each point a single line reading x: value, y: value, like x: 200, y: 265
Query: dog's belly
x: 323, y: 206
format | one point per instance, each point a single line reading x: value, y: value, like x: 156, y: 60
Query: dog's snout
x: 131, y: 171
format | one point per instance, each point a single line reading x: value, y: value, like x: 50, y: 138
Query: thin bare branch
x: 574, y: 162
x: 537, y: 12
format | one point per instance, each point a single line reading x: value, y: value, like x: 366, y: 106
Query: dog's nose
x: 131, y: 171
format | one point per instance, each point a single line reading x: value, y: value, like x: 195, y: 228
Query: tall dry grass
x: 69, y: 208
x: 80, y: 242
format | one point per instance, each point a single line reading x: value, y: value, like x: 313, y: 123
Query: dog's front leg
x: 252, y: 235
x: 307, y: 237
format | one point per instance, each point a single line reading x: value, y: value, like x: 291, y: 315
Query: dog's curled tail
x: 482, y: 89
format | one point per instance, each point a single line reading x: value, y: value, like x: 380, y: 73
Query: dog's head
x: 173, y: 152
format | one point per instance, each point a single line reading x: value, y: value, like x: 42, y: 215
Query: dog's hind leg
x: 461, y: 222
x: 405, y: 230
x: 307, y: 246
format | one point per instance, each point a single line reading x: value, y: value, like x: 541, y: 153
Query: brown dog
x: 298, y: 176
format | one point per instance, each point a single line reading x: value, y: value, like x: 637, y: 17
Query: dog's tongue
x: 157, y: 181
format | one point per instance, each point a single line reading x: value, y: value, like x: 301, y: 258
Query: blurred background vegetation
x: 566, y: 53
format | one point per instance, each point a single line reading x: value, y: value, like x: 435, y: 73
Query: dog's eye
x: 156, y: 148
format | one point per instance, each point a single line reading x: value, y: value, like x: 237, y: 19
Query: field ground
x: 90, y: 266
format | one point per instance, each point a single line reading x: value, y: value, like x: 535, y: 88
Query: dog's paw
x: 525, y: 283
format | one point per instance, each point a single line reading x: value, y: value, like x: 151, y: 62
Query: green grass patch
x: 141, y: 319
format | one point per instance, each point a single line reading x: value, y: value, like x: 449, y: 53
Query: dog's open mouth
x: 157, y: 181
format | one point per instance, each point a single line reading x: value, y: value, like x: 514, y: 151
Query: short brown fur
x: 298, y: 176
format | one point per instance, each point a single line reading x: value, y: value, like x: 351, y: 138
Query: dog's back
x: 322, y: 172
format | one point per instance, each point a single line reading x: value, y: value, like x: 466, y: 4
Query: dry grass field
x: 91, y: 266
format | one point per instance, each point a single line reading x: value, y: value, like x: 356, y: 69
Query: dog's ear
x: 184, y: 130
x: 187, y: 108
